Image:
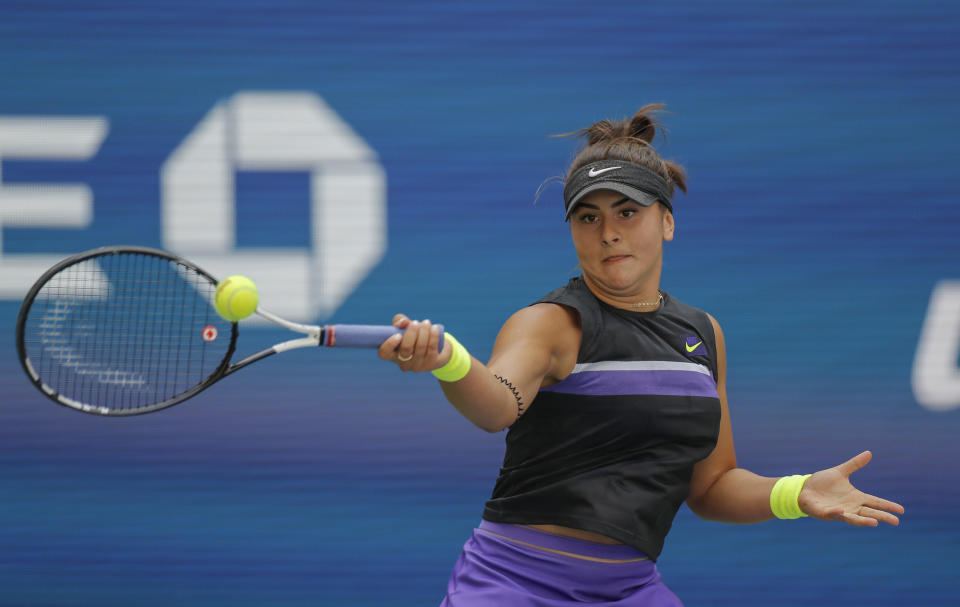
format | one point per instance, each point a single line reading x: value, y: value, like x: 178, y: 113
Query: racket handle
x: 363, y: 336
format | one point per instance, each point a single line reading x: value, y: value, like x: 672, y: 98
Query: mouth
x: 615, y: 259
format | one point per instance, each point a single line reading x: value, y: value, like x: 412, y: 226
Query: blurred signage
x: 286, y: 131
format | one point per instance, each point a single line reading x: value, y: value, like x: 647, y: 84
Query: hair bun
x: 600, y: 131
x: 641, y: 128
x: 627, y: 140
x: 642, y: 125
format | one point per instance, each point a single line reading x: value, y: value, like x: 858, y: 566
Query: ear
x: 667, y: 224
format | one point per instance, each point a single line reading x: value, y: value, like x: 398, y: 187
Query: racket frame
x: 316, y: 335
x: 71, y: 403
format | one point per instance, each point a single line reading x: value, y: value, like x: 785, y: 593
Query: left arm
x: 720, y: 491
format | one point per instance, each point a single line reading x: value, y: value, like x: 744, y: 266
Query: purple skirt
x: 518, y: 566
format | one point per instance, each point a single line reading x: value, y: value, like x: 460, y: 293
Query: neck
x: 645, y: 298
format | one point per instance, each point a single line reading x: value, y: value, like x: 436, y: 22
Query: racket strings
x: 125, y: 331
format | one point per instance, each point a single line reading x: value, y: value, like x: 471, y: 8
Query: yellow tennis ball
x: 236, y: 298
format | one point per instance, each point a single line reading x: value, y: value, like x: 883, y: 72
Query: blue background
x: 820, y: 140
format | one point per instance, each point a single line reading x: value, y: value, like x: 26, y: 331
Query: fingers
x: 871, y: 510
x: 858, y: 521
x: 388, y: 349
x: 417, y: 333
x: 829, y: 495
x: 433, y: 341
x: 881, y: 516
x: 882, y: 504
x: 416, y: 348
x: 863, y: 511
x: 858, y: 516
x: 882, y: 510
x: 864, y: 516
x: 852, y: 465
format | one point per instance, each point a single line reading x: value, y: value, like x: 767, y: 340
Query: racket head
x: 123, y: 330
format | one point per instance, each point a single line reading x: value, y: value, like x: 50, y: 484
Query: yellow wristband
x: 459, y: 364
x: 784, y: 496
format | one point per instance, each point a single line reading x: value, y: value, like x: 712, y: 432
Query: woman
x: 614, y: 393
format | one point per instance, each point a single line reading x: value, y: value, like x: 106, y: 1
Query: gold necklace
x: 647, y: 304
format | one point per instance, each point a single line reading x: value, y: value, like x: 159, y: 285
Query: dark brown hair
x: 628, y: 140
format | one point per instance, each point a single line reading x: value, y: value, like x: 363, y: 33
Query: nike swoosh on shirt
x: 694, y: 346
x: 595, y: 172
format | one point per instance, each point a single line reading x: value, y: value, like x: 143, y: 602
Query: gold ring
x: 402, y: 359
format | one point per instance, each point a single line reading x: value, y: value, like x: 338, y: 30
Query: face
x: 620, y: 243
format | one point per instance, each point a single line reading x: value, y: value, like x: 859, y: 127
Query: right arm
x: 537, y: 346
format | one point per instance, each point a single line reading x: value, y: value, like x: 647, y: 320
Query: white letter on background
x: 286, y: 131
x: 936, y: 378
x: 43, y: 205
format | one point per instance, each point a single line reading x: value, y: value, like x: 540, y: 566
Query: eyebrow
x: 593, y: 206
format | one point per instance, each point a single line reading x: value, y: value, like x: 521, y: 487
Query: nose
x: 610, y: 235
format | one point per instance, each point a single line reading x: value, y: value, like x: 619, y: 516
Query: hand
x: 829, y: 496
x: 416, y: 348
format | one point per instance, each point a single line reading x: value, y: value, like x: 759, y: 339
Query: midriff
x: 579, y: 534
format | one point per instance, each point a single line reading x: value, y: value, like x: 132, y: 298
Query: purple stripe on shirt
x: 618, y: 383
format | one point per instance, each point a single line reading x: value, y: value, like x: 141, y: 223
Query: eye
x: 587, y: 218
x: 627, y: 212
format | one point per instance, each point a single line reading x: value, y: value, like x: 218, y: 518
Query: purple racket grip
x: 363, y: 336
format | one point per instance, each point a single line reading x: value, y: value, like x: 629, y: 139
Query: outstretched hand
x: 829, y: 496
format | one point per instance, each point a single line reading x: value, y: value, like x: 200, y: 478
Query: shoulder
x: 720, y: 345
x: 692, y: 315
x: 684, y: 309
x: 716, y: 326
x: 575, y: 293
x: 543, y: 331
x: 580, y: 301
x: 547, y: 323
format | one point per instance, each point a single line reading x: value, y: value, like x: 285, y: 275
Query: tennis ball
x: 236, y: 298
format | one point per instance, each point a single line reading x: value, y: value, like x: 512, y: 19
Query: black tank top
x: 611, y: 448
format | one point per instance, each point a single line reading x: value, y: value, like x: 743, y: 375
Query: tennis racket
x: 129, y: 330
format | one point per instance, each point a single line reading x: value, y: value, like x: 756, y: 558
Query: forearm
x: 737, y: 496
x: 523, y: 355
x: 482, y: 398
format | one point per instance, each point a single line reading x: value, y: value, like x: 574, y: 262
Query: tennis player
x: 614, y: 394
